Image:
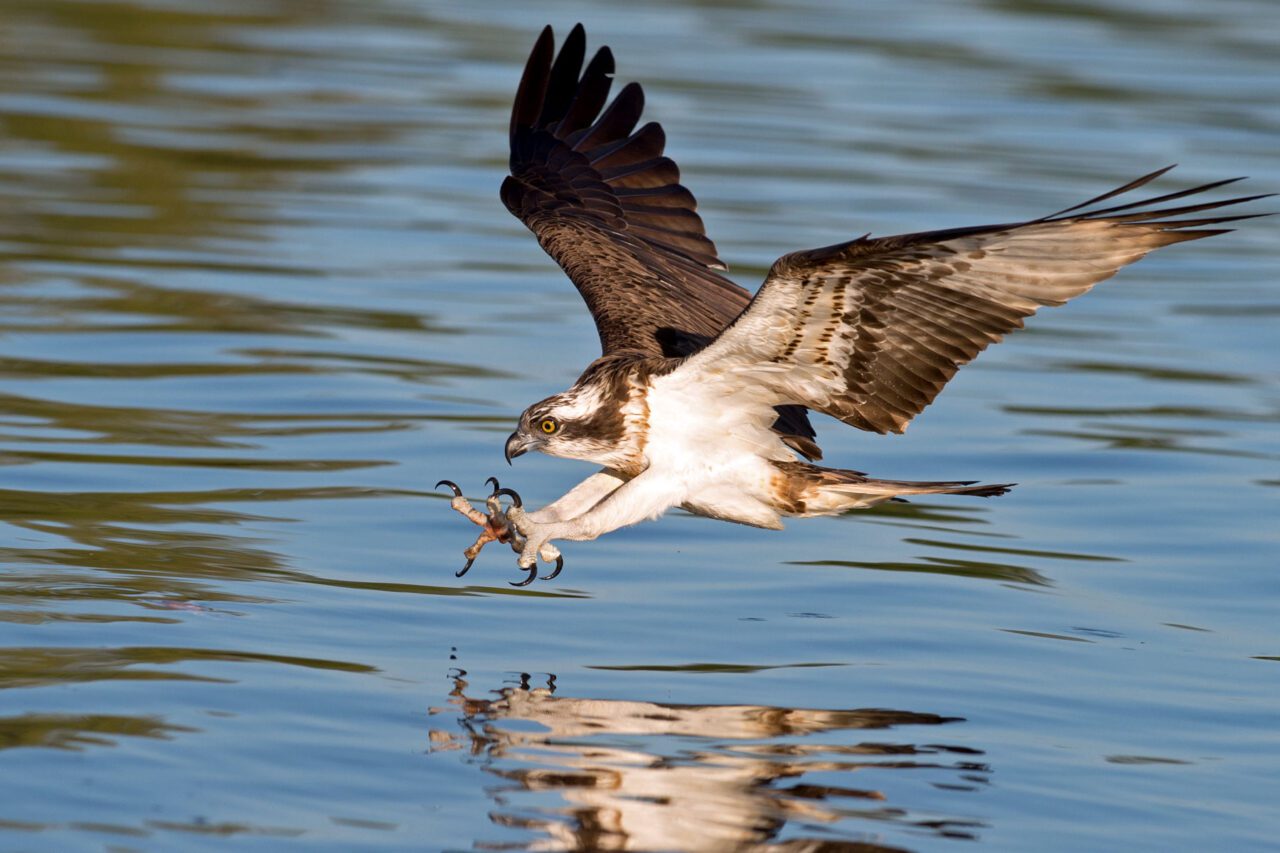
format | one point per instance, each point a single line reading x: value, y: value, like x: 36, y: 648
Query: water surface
x: 257, y: 294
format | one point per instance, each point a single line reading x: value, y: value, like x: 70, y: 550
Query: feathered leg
x: 496, y: 527
x: 497, y: 523
x: 644, y: 497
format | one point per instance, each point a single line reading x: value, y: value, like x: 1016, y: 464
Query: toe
x: 556, y: 571
x: 533, y: 573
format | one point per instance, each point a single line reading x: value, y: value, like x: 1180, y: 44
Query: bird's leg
x: 580, y: 498
x: 462, y: 505
x: 577, y: 500
x: 646, y: 496
x: 498, y: 527
x: 495, y: 525
x: 471, y: 553
x: 498, y: 521
x: 520, y: 544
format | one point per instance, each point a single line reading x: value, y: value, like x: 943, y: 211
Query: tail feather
x: 928, y: 487
x: 814, y: 490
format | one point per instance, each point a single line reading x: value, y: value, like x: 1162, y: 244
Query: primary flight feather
x: 700, y: 397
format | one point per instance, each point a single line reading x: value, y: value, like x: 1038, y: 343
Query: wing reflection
x: 648, y: 776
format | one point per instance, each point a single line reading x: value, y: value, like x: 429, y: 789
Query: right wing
x: 871, y: 330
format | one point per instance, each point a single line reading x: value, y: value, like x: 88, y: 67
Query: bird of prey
x: 701, y: 395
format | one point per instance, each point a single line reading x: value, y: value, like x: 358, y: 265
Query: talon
x: 559, y: 566
x: 462, y: 571
x: 457, y: 493
x: 533, y: 573
x: 496, y: 487
x: 515, y: 498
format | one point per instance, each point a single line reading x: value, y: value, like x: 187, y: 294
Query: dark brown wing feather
x: 608, y: 206
x: 871, y: 330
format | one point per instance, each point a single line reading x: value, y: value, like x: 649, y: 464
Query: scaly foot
x: 537, y: 542
x: 496, y: 527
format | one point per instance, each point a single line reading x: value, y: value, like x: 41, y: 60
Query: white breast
x: 718, y: 447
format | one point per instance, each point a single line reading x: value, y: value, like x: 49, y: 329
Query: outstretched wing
x: 871, y: 330
x: 605, y: 203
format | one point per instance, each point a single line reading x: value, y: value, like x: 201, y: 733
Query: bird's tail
x: 814, y: 490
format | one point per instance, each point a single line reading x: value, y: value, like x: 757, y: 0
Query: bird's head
x: 576, y: 424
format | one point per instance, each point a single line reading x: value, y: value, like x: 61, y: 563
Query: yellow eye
x: 549, y: 425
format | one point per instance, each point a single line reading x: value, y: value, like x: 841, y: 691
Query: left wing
x: 609, y: 207
x: 871, y: 330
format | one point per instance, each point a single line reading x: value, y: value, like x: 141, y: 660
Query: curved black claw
x: 457, y: 493
x: 511, y: 493
x: 559, y: 566
x: 496, y: 486
x: 462, y: 571
x: 533, y: 573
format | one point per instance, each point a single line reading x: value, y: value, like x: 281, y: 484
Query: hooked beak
x: 518, y: 445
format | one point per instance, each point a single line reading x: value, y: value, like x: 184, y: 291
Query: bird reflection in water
x: 650, y: 776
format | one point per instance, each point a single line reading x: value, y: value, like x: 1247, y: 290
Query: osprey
x: 700, y: 398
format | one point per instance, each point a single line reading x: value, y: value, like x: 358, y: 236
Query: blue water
x: 257, y: 294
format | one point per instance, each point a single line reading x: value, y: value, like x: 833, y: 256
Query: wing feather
x: 870, y: 331
x: 605, y: 202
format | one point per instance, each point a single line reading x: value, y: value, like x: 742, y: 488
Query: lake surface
x: 258, y: 294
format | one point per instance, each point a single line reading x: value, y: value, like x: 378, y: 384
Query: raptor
x: 701, y: 396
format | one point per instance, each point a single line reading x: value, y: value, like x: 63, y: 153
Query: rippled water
x: 257, y: 293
